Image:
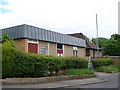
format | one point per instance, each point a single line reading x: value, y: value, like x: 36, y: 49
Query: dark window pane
x: 59, y: 46
x: 87, y: 52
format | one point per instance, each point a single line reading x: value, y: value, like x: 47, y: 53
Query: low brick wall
x: 43, y: 79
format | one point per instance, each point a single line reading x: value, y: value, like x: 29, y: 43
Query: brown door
x: 33, y: 48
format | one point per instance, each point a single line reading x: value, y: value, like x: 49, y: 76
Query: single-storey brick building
x: 91, y: 48
x: 41, y: 41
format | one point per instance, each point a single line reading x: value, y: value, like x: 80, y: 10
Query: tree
x: 113, y: 46
x: 110, y: 46
x: 115, y: 37
x: 101, y: 41
x: 4, y: 38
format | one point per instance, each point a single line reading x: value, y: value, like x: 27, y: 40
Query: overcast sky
x: 64, y: 16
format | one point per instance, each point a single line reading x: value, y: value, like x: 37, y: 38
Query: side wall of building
x: 43, y: 45
x: 68, y: 51
x: 51, y: 48
x: 81, y: 52
x: 21, y: 44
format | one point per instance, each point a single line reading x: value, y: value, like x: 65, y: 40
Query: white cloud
x: 65, y: 16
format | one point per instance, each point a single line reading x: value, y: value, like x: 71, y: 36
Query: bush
x: 20, y: 64
x: 75, y: 62
x: 8, y: 59
x: 55, y: 63
x: 97, y: 62
x: 30, y: 65
x: 16, y: 63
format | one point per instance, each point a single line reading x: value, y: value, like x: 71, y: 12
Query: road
x: 112, y: 82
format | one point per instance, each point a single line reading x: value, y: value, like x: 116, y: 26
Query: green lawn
x: 110, y: 68
x: 79, y: 72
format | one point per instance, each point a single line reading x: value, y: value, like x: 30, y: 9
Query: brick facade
x: 51, y: 48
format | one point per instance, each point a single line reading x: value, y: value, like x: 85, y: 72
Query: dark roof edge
x: 13, y: 26
x: 87, y: 41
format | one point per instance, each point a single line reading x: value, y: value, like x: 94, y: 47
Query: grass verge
x: 110, y: 68
x: 79, y: 72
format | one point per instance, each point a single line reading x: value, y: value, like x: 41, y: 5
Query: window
x: 75, y: 51
x: 43, y: 50
x: 59, y: 46
x: 60, y: 54
x: 59, y: 49
x: 87, y: 52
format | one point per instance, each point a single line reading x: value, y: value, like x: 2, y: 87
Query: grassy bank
x: 110, y: 68
x: 79, y: 72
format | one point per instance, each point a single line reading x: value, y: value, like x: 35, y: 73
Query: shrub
x: 75, y: 62
x: 20, y: 64
x: 8, y: 59
x: 16, y: 63
x: 30, y: 65
x: 55, y: 63
x: 97, y: 62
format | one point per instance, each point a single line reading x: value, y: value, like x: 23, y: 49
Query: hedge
x: 54, y: 63
x: 97, y: 62
x: 8, y: 59
x: 16, y: 63
x: 30, y: 65
x: 75, y: 62
x: 20, y: 64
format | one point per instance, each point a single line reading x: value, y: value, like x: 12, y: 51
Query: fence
x: 116, y: 60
